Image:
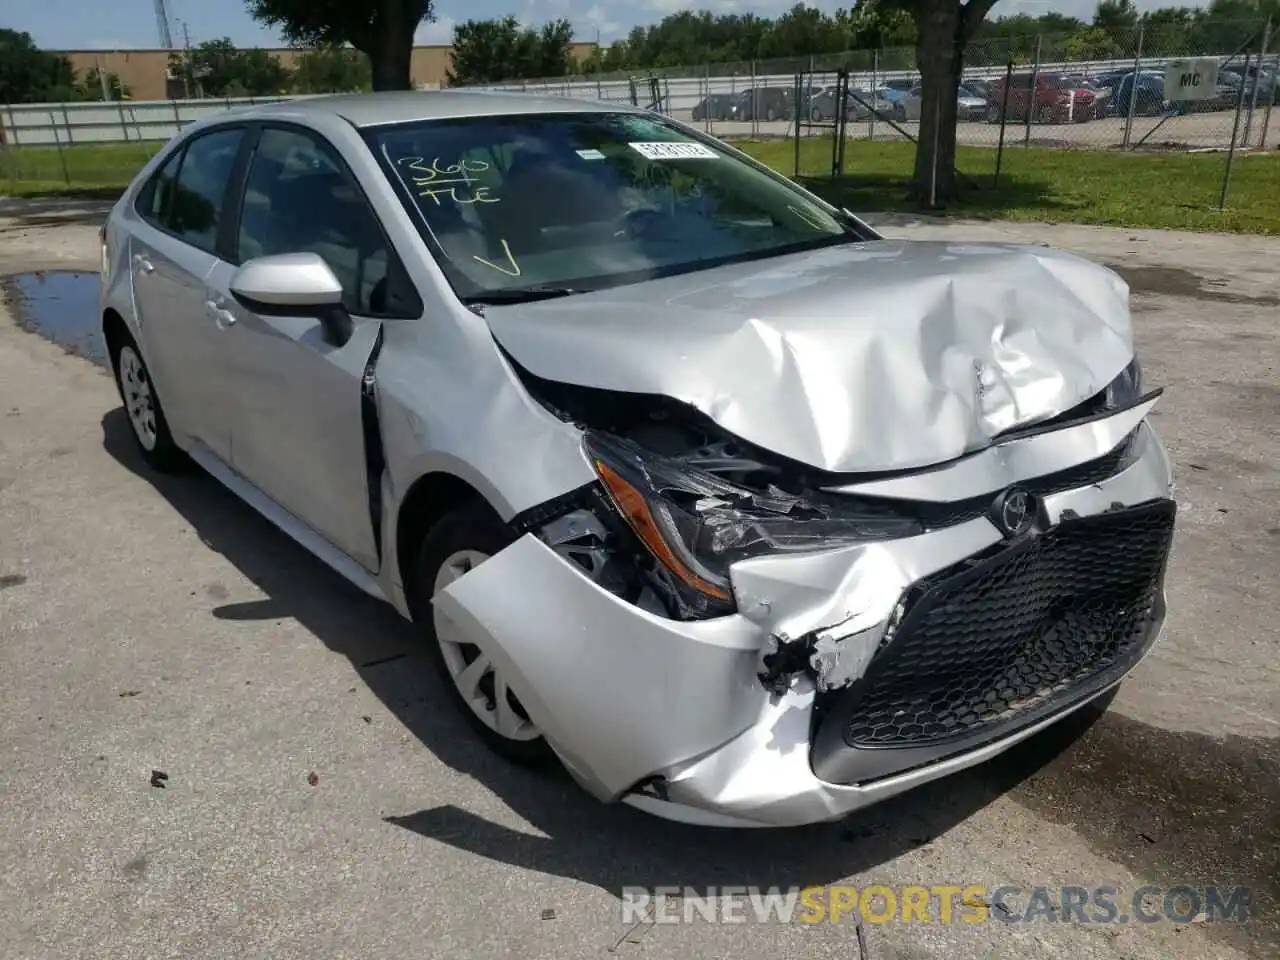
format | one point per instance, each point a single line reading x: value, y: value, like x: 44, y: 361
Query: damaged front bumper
x: 845, y: 676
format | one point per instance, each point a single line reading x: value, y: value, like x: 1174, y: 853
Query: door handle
x: 222, y: 317
x: 142, y: 264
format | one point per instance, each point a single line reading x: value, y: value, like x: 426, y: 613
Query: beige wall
x: 143, y: 71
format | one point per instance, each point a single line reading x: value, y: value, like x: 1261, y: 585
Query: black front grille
x: 1014, y: 635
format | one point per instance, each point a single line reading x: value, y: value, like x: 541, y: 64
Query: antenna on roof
x: 162, y: 24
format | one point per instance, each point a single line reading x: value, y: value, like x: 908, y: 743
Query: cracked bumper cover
x: 672, y: 717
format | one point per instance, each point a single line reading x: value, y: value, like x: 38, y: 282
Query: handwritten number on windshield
x: 433, y: 181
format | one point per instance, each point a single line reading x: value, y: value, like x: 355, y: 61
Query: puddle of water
x: 61, y: 306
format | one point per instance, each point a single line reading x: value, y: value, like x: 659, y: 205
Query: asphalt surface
x: 323, y: 800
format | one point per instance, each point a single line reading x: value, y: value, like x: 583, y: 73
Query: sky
x: 131, y: 24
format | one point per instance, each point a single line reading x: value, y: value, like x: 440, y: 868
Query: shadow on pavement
x: 1177, y: 807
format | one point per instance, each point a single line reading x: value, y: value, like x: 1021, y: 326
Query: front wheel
x: 146, y: 415
x: 478, y: 686
x: 900, y: 113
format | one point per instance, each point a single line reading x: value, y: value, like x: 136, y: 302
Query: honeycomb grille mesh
x: 985, y: 644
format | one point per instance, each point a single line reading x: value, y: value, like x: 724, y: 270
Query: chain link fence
x: 1090, y: 90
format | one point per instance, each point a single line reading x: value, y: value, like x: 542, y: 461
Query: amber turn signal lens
x: 633, y: 506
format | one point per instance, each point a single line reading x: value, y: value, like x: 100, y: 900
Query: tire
x: 816, y: 115
x: 472, y: 529
x: 143, y: 409
x: 770, y: 115
x: 993, y: 114
x: 1047, y: 115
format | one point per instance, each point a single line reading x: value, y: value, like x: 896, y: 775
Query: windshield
x: 562, y: 203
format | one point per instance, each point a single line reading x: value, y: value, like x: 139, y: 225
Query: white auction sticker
x: 673, y: 150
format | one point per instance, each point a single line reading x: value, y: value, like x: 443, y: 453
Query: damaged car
x: 689, y: 481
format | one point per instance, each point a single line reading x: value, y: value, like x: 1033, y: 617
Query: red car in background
x: 1055, y: 99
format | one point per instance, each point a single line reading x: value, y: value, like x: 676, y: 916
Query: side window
x: 154, y: 200
x: 300, y: 199
x: 196, y: 207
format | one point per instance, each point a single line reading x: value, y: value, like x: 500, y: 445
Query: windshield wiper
x: 520, y: 295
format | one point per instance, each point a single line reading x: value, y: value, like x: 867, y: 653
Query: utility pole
x: 162, y: 25
x: 187, y: 67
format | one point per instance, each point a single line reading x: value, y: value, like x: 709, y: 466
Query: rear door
x: 299, y: 427
x: 173, y: 247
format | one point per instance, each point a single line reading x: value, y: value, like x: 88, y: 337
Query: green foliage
x: 218, y: 68
x: 29, y: 74
x: 332, y: 70
x: 490, y: 51
x: 91, y: 87
x: 382, y: 30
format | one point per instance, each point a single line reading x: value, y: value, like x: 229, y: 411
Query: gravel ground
x: 322, y: 800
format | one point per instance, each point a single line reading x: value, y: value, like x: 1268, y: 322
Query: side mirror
x: 294, y: 285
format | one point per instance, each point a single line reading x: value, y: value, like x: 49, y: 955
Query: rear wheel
x: 478, y: 686
x: 1048, y: 115
x: 142, y: 405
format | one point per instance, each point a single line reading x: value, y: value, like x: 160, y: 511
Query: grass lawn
x: 1173, y: 190
x: 91, y: 170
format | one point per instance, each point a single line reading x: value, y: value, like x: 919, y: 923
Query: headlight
x: 697, y: 524
x: 1125, y: 389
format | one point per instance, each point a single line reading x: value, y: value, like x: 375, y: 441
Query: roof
x: 372, y: 109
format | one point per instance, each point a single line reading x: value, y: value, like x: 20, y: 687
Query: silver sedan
x: 689, y: 481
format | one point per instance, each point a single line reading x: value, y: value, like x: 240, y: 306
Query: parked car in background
x: 1044, y: 98
x: 968, y: 106
x: 976, y: 87
x: 1146, y: 101
x: 970, y: 103
x: 766, y: 103
x: 895, y: 92
x: 859, y: 105
x: 558, y: 380
x: 1265, y: 78
x: 718, y: 106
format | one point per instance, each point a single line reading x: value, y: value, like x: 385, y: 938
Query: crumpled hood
x: 873, y: 356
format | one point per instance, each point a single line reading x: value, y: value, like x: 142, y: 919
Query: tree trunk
x: 940, y: 56
x: 391, y: 51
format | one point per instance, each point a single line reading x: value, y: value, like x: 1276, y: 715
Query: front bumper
x: 672, y: 716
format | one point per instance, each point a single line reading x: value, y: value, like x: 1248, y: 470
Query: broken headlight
x: 1125, y: 389
x: 697, y: 524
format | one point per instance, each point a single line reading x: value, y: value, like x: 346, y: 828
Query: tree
x: 944, y: 28
x: 332, y: 70
x: 1115, y: 15
x: 29, y: 74
x: 491, y: 51
x: 93, y: 87
x: 380, y: 29
x: 218, y: 68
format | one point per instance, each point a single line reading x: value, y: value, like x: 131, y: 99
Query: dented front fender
x: 616, y: 691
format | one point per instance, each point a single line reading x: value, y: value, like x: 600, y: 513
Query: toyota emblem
x: 1014, y: 512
